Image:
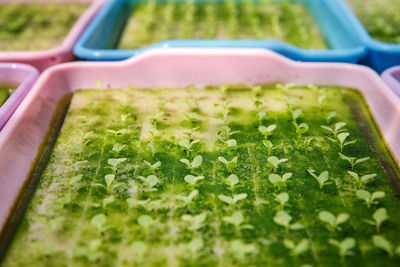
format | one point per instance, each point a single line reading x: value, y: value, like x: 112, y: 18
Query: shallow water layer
x: 380, y: 18
x: 153, y: 22
x: 36, y: 26
x: 125, y: 184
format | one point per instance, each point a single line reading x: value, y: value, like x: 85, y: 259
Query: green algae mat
x: 380, y: 18
x: 4, y: 94
x: 36, y: 26
x: 152, y: 22
x: 260, y: 176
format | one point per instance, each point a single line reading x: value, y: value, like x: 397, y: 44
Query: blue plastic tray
x: 100, y: 39
x: 380, y: 55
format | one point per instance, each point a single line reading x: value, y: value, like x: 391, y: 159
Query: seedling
x: 117, y: 147
x: 230, y: 144
x: 321, y: 99
x: 261, y: 116
x: 279, y: 181
x: 230, y: 165
x: 109, y: 178
x: 338, y: 126
x: 145, y: 221
x: 283, y: 218
x: 196, y: 162
x: 240, y: 249
x: 195, y: 222
x: 232, y: 181
x: 342, y: 138
x: 352, y: 160
x: 151, y: 181
x: 226, y: 132
x: 99, y: 221
x: 115, y: 162
x: 301, y: 128
x: 119, y: 132
x: 232, y: 200
x: 190, y: 132
x: 155, y: 118
x: 108, y: 200
x: 188, y: 144
x: 363, y: 179
x: 188, y: 199
x: 322, y: 179
x: 382, y: 243
x: 161, y: 105
x: 268, y: 144
x: 257, y: 103
x: 274, y: 162
x: 266, y: 131
x: 75, y: 179
x: 191, y: 117
x: 192, y: 180
x: 370, y: 199
x: 379, y: 216
x: 330, y: 117
x: 155, y: 133
x: 345, y: 246
x: 282, y: 199
x: 285, y: 86
x: 297, y: 114
x: 333, y: 221
x: 124, y: 117
x: 153, y: 167
x: 237, y: 219
x: 152, y: 146
x: 139, y: 248
x: 296, y: 249
x: 195, y: 245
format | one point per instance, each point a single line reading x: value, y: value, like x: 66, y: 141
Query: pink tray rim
x: 169, y: 68
x: 43, y: 59
x: 388, y: 77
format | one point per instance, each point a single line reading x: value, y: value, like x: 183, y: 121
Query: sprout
x: 379, y: 216
x: 75, y: 179
x: 352, y: 160
x: 369, y: 198
x: 338, y: 127
x: 189, y: 132
x: 150, y: 182
x: 145, y: 221
x: 297, y: 114
x: 363, y: 179
x: 261, y: 116
x: 292, y: 101
x: 231, y: 143
x: 267, y: 131
x: 279, y: 181
x: 98, y: 221
x: 240, y: 249
x: 192, y: 180
x: 139, y: 249
x: 322, y: 179
x: 297, y: 249
x: 192, y: 103
x: 230, y: 165
x: 342, y: 138
x: 285, y: 87
x: 108, y: 200
x: 330, y: 116
x: 188, y: 199
x: 155, y: 133
x: 232, y: 200
x: 301, y: 128
x: 321, y: 99
x: 115, y: 162
x: 268, y: 144
x: 226, y: 132
x: 118, y: 147
x: 257, y: 103
x: 191, y: 117
x: 282, y: 218
x: 155, y: 117
x: 237, y: 219
x: 109, y: 178
x: 197, y: 161
x: 345, y: 246
x: 333, y: 221
x: 195, y: 245
x: 152, y: 146
x: 282, y: 199
x: 274, y: 162
x: 153, y: 167
x: 232, y: 181
x: 195, y: 222
x: 119, y: 132
x: 382, y: 243
x: 188, y: 144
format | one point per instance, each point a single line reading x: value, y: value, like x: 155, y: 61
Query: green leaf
x: 190, y: 179
x: 145, y: 221
x: 327, y: 217
x: 240, y: 249
x: 282, y: 218
x: 108, y: 200
x: 98, y: 220
x: 109, y: 178
x: 189, y: 198
x: 282, y: 198
x: 232, y: 180
x: 380, y: 215
x: 139, y: 248
x: 382, y: 243
x: 196, y: 222
x: 195, y: 245
x: 75, y: 179
x: 197, y: 161
x: 236, y: 218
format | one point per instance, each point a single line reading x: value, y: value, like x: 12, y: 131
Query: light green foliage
x: 283, y: 218
x: 232, y: 200
x: 229, y: 164
x: 195, y: 222
x: 274, y: 162
x: 279, y: 181
x: 369, y: 198
x: 232, y: 181
x: 192, y: 180
x: 139, y: 248
x: 296, y: 249
x: 267, y: 131
x: 322, y: 178
x: 196, y: 162
x: 353, y: 160
x: 188, y: 199
x: 282, y: 199
x: 153, y: 167
x: 379, y: 216
x: 345, y: 246
x: 338, y: 126
x: 333, y: 221
x: 145, y: 221
x: 382, y: 243
x: 98, y: 221
x: 150, y: 181
x: 240, y: 249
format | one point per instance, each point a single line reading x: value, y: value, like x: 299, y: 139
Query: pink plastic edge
x: 389, y: 77
x: 15, y: 73
x: 168, y: 68
x: 45, y: 58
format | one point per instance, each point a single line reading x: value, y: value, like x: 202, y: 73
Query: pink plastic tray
x: 45, y: 58
x: 25, y: 131
x: 21, y: 75
x: 392, y: 78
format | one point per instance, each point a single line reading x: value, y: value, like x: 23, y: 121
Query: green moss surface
x: 152, y: 22
x: 80, y: 216
x: 380, y: 18
x: 4, y: 94
x: 36, y: 26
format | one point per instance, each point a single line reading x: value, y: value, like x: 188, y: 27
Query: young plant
x: 240, y: 249
x: 301, y: 128
x: 261, y: 115
x: 283, y: 218
x: 117, y: 147
x: 226, y: 132
x: 333, y: 221
x: 368, y: 198
x: 155, y: 118
x: 115, y: 162
x: 279, y: 181
x: 230, y: 144
x: 188, y: 199
x: 379, y: 216
x: 352, y: 160
x: 194, y: 246
x: 282, y: 199
x: 285, y: 87
x: 322, y: 179
x: 297, y: 114
x: 190, y: 132
x: 274, y: 162
x: 269, y: 145
x: 196, y: 162
x: 237, y: 219
x: 331, y: 116
x: 119, y: 132
x: 363, y: 179
x: 195, y: 222
x: 150, y: 181
x: 152, y: 146
x: 257, y: 103
x: 382, y: 243
x: 267, y: 131
x: 342, y: 140
x: 108, y: 200
x: 230, y: 165
x: 139, y: 248
x: 296, y: 249
x: 191, y: 117
x: 99, y: 221
x: 153, y: 167
x: 109, y: 178
x: 192, y: 180
x: 232, y: 181
x: 232, y: 200
x: 338, y: 126
x: 76, y: 179
x: 345, y: 246
x: 145, y: 221
x: 187, y: 145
